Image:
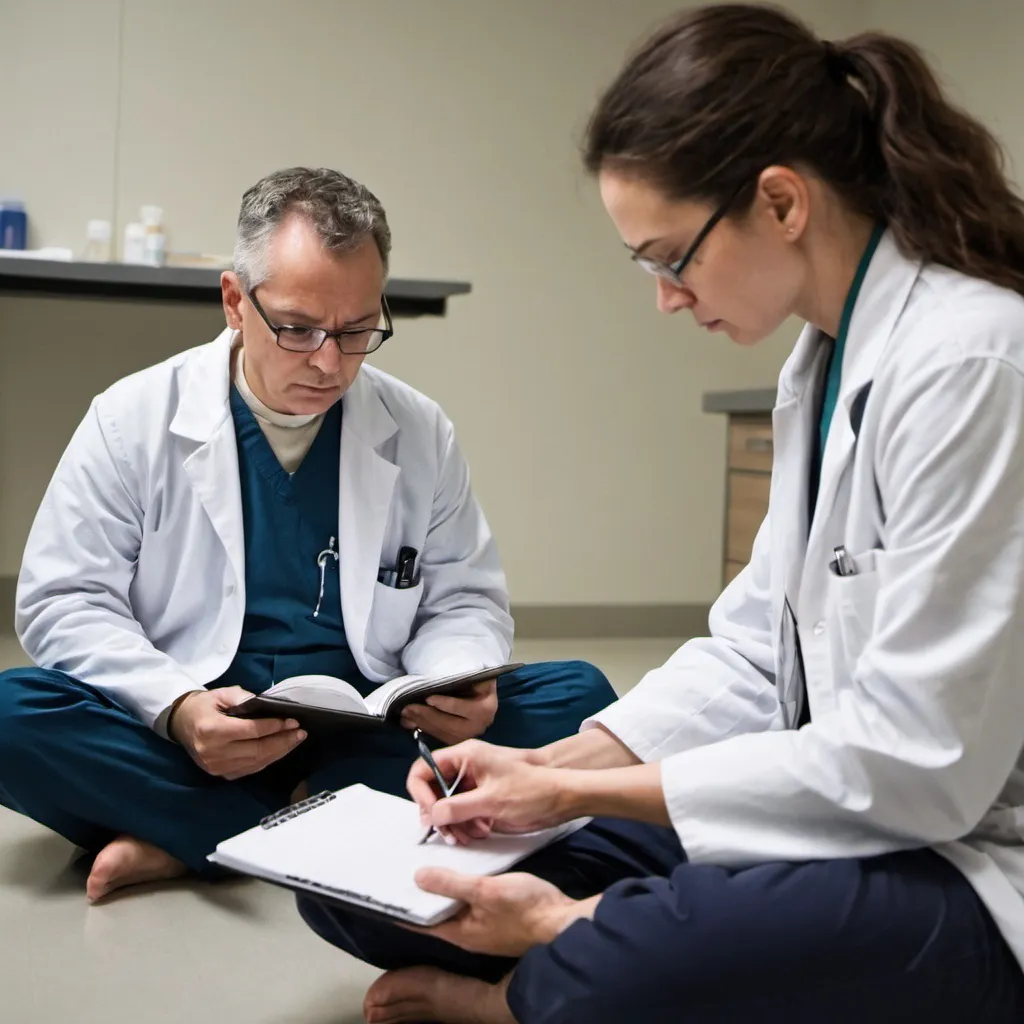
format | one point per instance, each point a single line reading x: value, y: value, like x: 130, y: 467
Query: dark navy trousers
x: 897, y: 939
x: 78, y: 763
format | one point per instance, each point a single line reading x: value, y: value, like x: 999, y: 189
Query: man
x: 224, y: 520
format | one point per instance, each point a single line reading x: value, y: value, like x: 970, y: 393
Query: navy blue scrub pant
x: 897, y: 939
x: 78, y: 763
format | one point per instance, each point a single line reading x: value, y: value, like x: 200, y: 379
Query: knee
x: 362, y: 937
x: 590, y: 688
x: 25, y: 694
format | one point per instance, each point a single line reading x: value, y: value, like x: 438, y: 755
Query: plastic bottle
x: 13, y: 224
x: 154, y: 241
x: 97, y: 242
x: 134, y: 243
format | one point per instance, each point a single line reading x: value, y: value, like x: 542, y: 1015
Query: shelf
x: 184, y: 284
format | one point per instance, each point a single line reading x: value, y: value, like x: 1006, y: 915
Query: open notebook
x: 324, y: 702
x: 360, y: 848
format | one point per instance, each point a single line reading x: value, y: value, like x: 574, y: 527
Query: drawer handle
x: 758, y: 445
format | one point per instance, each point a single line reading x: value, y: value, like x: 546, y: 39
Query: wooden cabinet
x: 747, y: 486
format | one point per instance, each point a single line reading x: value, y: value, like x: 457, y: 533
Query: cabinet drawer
x: 750, y: 443
x: 748, y: 503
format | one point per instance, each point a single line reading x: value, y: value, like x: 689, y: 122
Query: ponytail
x: 948, y: 199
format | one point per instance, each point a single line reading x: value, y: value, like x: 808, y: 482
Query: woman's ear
x: 783, y: 195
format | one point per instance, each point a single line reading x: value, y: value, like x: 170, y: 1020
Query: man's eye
x: 298, y: 333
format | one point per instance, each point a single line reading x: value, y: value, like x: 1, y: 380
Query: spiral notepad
x: 360, y: 848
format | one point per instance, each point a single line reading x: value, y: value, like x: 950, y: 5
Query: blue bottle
x: 13, y: 224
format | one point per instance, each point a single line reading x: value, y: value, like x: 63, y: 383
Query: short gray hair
x: 343, y: 212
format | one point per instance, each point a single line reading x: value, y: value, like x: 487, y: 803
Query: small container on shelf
x: 13, y: 224
x: 97, y: 242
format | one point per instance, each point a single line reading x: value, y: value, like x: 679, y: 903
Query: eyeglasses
x: 359, y: 341
x: 673, y: 272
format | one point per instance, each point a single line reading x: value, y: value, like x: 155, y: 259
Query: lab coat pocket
x: 853, y: 600
x: 391, y: 619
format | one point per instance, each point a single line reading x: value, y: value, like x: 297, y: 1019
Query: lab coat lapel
x: 366, y: 486
x: 204, y: 416
x: 793, y: 424
x: 885, y: 290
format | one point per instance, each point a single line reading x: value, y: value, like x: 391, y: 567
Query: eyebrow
x: 290, y: 315
x: 639, y: 250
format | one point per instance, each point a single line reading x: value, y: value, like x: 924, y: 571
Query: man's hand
x: 230, y: 747
x: 454, y: 719
x: 505, y: 915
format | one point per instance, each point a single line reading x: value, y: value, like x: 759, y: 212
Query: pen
x: 442, y: 784
x: 843, y: 564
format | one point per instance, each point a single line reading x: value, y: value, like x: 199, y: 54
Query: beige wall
x: 577, y: 405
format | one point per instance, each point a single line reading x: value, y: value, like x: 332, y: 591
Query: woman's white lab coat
x: 914, y: 665
x: 133, y: 578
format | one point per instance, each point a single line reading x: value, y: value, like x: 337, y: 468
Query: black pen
x: 442, y: 784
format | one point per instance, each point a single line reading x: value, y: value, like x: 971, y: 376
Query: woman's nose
x: 671, y: 298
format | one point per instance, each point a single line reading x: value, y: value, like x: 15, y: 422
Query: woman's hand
x: 502, y: 789
x: 504, y: 915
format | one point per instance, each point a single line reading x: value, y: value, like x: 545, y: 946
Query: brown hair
x: 722, y: 92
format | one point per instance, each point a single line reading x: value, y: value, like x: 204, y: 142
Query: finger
x: 445, y: 882
x: 238, y: 730
x: 439, y: 724
x: 420, y: 784
x: 272, y: 748
x: 464, y: 807
x: 408, y: 719
x: 458, y: 707
x: 478, y: 828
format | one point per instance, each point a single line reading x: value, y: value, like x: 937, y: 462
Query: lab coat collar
x: 204, y: 399
x: 883, y: 296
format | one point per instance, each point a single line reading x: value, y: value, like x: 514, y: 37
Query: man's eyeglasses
x: 673, y: 272
x: 358, y: 341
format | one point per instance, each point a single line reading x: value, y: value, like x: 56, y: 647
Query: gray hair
x: 343, y: 212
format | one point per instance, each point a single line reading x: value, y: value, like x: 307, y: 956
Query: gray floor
x: 233, y: 952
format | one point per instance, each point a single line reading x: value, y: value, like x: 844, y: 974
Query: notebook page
x: 319, y: 692
x: 366, y: 843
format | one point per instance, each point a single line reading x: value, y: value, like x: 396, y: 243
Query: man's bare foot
x: 426, y: 993
x: 129, y: 861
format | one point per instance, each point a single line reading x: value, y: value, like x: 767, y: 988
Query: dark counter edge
x: 755, y: 400
x: 406, y: 297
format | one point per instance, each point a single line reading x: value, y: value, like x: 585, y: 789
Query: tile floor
x: 225, y: 953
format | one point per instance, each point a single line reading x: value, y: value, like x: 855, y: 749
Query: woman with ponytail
x: 814, y: 815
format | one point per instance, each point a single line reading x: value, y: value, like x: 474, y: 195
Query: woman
x: 815, y: 814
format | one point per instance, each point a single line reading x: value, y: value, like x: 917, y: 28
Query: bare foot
x: 426, y: 993
x: 129, y: 861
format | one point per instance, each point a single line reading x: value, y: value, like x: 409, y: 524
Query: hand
x: 504, y: 915
x: 502, y: 789
x: 454, y: 719
x: 230, y: 747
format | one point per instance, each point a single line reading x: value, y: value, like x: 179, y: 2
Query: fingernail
x: 301, y: 734
x: 449, y: 839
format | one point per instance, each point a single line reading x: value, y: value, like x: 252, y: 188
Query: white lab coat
x: 133, y: 578
x: 915, y: 665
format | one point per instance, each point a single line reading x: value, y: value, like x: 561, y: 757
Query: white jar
x: 134, y: 243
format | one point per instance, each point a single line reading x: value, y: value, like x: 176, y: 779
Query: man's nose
x: 328, y: 357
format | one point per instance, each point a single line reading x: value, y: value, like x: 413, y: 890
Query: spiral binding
x: 294, y: 810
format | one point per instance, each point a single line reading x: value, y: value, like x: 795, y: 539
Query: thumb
x: 229, y: 696
x: 445, y: 882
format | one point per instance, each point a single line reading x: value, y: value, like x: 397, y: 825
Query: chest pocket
x: 853, y: 600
